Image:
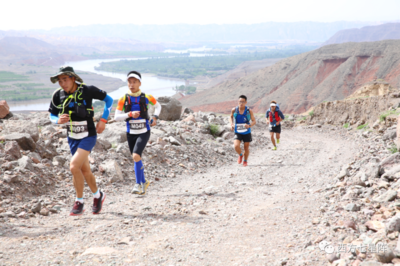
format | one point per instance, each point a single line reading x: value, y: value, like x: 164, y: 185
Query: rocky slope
x: 328, y: 194
x: 389, y: 31
x: 329, y: 73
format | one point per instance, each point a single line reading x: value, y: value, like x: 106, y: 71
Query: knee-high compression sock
x: 137, y: 172
x: 140, y: 169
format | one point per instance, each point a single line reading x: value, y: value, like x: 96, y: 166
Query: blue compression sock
x: 140, y: 171
x: 137, y: 172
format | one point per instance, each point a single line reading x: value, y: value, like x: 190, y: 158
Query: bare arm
x: 231, y: 119
x: 253, y: 119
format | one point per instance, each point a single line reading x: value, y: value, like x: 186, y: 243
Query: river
x: 150, y: 84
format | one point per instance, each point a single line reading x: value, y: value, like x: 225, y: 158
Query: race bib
x: 137, y: 126
x: 241, y: 128
x: 78, y: 130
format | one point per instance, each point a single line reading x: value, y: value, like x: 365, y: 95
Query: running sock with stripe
x: 141, y: 171
x: 97, y: 194
x: 80, y: 200
x: 241, y: 154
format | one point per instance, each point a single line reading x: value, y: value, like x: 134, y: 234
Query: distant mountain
x: 329, y: 73
x: 269, y: 31
x: 389, y: 31
x: 26, y: 50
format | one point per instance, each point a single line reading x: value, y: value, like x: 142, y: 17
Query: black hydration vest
x: 142, y: 104
x: 79, y: 109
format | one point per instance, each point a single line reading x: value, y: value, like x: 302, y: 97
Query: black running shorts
x: 137, y: 143
x: 244, y: 138
x: 275, y: 129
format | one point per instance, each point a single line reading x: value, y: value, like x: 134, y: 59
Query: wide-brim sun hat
x: 272, y: 104
x: 66, y: 70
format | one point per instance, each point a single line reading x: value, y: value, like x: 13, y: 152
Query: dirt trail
x: 230, y: 215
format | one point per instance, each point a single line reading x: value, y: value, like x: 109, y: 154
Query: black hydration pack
x: 79, y: 104
x: 142, y: 104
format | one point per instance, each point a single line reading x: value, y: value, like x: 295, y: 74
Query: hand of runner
x: 277, y: 123
x: 232, y: 127
x: 247, y: 126
x: 135, y: 114
x: 100, y: 127
x: 63, y: 119
x: 154, y: 122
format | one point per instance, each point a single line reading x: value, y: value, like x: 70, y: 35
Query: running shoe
x: 137, y: 189
x: 277, y: 141
x: 145, y: 186
x: 240, y: 159
x: 77, y: 209
x: 98, y: 203
x: 245, y: 163
x: 274, y: 148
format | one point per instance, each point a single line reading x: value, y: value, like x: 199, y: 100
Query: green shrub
x: 311, y: 113
x: 393, y: 149
x: 214, y: 129
x: 362, y: 126
x: 346, y: 125
x: 383, y: 116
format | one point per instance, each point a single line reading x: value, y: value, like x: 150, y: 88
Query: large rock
x: 387, y: 196
x: 390, y: 162
x: 28, y: 127
x: 112, y: 169
x: 114, y: 133
x: 4, y: 109
x: 45, y: 152
x: 12, y: 150
x: 26, y: 163
x: 102, y: 145
x: 24, y: 140
x: 171, y: 108
x: 390, y: 134
x: 393, y: 225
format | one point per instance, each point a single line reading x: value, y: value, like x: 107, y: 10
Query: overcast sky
x: 47, y: 14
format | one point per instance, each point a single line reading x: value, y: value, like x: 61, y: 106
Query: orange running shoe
x: 245, y: 163
x: 240, y: 159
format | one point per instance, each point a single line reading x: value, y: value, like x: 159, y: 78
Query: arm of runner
x: 266, y: 116
x: 101, y: 125
x: 231, y: 119
x: 253, y: 119
x: 54, y: 119
x: 281, y: 114
x: 119, y: 112
x: 157, y: 110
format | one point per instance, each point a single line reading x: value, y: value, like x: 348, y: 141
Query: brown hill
x: 389, y: 31
x: 332, y: 72
x: 26, y: 50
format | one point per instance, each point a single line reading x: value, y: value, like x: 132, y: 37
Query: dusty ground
x: 230, y: 215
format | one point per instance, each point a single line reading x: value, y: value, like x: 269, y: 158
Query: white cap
x: 133, y: 75
x: 272, y: 104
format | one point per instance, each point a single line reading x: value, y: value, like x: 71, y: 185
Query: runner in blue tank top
x: 242, y: 119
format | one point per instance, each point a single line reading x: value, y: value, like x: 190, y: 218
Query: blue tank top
x: 240, y: 121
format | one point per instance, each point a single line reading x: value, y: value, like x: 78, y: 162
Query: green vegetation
x: 383, y: 116
x: 214, y: 129
x: 311, y: 113
x: 148, y: 54
x: 186, y: 67
x: 393, y: 149
x: 185, y: 89
x: 6, y: 76
x: 362, y: 126
x: 346, y: 125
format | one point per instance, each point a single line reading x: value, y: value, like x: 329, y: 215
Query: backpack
x: 237, y: 112
x: 142, y: 104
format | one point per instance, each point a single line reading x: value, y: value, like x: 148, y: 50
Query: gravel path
x: 230, y: 215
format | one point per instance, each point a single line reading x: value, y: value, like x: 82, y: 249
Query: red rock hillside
x: 329, y: 73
